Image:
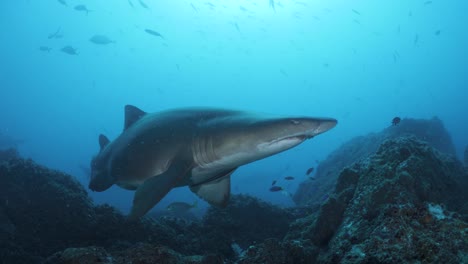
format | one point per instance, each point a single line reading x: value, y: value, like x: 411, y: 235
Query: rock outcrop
x: 431, y: 131
x: 403, y: 201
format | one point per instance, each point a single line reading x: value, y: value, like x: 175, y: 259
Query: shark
x: 195, y: 147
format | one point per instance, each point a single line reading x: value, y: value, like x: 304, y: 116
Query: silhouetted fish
x: 396, y: 120
x: 69, y: 50
x: 101, y: 40
x: 272, y: 4
x: 273, y: 183
x: 82, y: 8
x: 154, y: 33
x: 143, y: 4
x: 356, y: 12
x: 289, y: 178
x: 194, y: 8
x: 55, y: 35
x: 437, y: 33
x: 45, y: 49
x: 276, y: 188
x: 309, y: 170
x: 181, y: 207
x: 63, y: 2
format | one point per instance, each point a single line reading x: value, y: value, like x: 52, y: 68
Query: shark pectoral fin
x: 154, y: 189
x: 215, y: 192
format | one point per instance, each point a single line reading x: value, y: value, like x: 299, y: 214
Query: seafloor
x: 398, y: 196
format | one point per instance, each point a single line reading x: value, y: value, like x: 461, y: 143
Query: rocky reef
x: 47, y: 217
x: 432, y: 131
x: 402, y: 201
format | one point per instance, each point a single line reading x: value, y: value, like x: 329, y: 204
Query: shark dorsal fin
x: 103, y: 141
x: 132, y: 114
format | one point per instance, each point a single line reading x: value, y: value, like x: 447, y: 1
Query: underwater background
x: 68, y: 67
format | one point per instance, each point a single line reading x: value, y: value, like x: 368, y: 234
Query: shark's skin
x: 197, y: 147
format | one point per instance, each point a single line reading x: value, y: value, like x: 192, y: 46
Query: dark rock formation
x: 273, y: 251
x: 432, y: 131
x: 405, y: 203
x: 244, y: 221
x: 44, y: 206
x: 43, y: 212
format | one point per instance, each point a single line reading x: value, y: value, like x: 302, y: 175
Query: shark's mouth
x: 284, y: 143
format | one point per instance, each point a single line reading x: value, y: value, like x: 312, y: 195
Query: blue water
x: 361, y: 62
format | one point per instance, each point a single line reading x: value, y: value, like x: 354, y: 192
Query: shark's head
x: 244, y: 142
x: 101, y: 179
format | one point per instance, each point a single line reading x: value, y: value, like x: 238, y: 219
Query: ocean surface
x: 68, y: 68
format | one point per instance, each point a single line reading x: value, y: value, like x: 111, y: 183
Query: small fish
x: 284, y: 72
x: 154, y: 33
x: 396, y: 120
x: 273, y: 183
x: 193, y: 6
x: 181, y: 207
x: 101, y: 40
x: 69, y: 50
x: 356, y: 12
x: 357, y: 21
x: 143, y: 4
x: 272, y: 4
x: 82, y: 8
x: 427, y: 2
x: 289, y: 178
x: 243, y: 9
x: 312, y: 178
x: 55, y: 35
x: 210, y: 4
x: 396, y: 56
x: 326, y: 65
x: 309, y: 170
x: 437, y: 33
x: 63, y: 2
x: 45, y: 48
x: 130, y: 3
x: 416, y: 39
x: 237, y: 27
x: 276, y: 188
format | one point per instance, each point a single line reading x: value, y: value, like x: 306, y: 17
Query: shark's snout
x: 100, y: 184
x: 325, y: 125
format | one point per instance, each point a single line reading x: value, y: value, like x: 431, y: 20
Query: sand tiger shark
x: 195, y: 147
